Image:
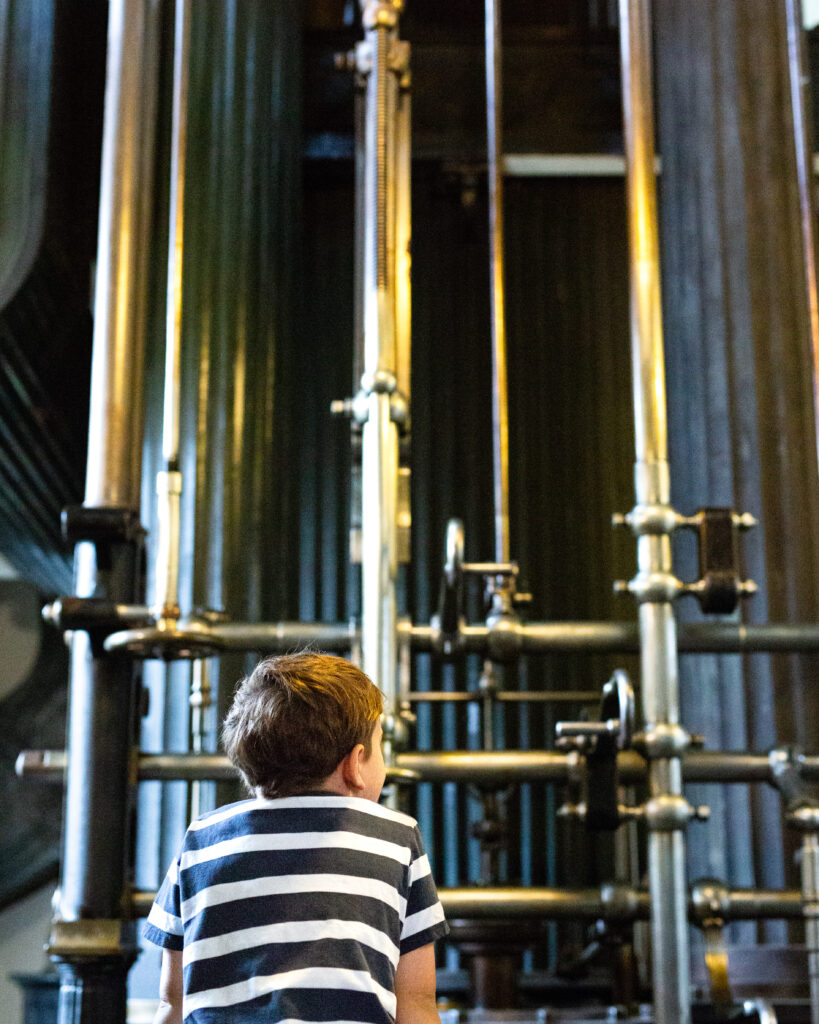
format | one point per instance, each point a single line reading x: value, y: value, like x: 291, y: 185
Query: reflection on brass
x: 716, y: 960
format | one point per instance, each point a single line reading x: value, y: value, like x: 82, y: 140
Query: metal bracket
x: 101, y: 525
x: 719, y: 586
x: 601, y: 741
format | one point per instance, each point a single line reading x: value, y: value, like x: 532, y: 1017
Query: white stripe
x: 423, y: 919
x: 277, y: 885
x: 296, y: 841
x: 419, y: 869
x: 292, y: 931
x: 308, y: 977
x: 308, y: 802
x: 164, y: 921
x: 226, y: 813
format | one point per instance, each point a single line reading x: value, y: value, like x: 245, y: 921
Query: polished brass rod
x: 173, y: 309
x: 611, y: 903
x: 500, y: 398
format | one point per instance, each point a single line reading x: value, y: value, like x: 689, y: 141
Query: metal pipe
x: 529, y: 638
x: 803, y: 815
x: 169, y: 479
x: 623, y: 638
x: 403, y: 235
x: 285, y: 636
x: 658, y: 633
x: 92, y: 945
x: 116, y: 413
x: 612, y: 903
x: 173, y: 307
x: 810, y: 909
x: 379, y: 442
x: 500, y: 400
x: 799, y: 80
x: 499, y: 767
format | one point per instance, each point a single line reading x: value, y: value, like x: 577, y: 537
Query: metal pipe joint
x: 380, y: 13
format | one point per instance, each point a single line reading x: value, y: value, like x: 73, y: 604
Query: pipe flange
x: 381, y: 382
x: 662, y: 740
x: 503, y: 637
x: 805, y: 817
x: 655, y: 587
x: 652, y: 519
x: 620, y: 903
x: 668, y: 813
x: 710, y: 900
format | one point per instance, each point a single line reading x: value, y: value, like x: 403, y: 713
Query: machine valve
x: 600, y: 742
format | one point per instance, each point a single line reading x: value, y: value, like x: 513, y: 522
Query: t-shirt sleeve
x: 424, y: 921
x: 164, y: 924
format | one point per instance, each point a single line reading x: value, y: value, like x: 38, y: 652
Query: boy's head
x: 295, y: 718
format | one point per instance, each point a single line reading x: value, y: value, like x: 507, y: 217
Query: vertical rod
x: 403, y: 236
x: 810, y: 905
x: 500, y: 402
x: 89, y: 939
x: 657, y: 624
x: 379, y: 441
x: 799, y: 83
x: 116, y: 415
x: 169, y: 479
x: 173, y: 310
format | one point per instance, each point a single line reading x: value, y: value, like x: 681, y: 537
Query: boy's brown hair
x: 295, y: 717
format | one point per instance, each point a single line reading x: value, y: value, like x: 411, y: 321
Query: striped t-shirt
x: 296, y: 909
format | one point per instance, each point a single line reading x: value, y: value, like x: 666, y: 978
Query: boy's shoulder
x: 306, y: 802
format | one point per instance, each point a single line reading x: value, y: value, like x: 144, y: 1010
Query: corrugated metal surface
x: 46, y: 246
x: 740, y: 388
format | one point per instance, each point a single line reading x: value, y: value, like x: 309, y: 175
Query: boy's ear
x: 351, y: 767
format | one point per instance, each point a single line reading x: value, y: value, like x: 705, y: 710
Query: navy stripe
x: 424, y: 937
x: 298, y: 1004
x: 423, y: 894
x: 264, y: 863
x: 160, y: 938
x: 301, y: 819
x: 216, y: 971
x: 311, y: 906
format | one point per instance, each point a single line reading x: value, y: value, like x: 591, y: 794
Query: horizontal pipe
x: 284, y: 636
x: 511, y: 639
x: 499, y: 767
x: 622, y: 637
x: 504, y: 696
x: 612, y: 903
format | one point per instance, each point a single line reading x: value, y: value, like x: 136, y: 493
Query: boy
x: 309, y: 902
